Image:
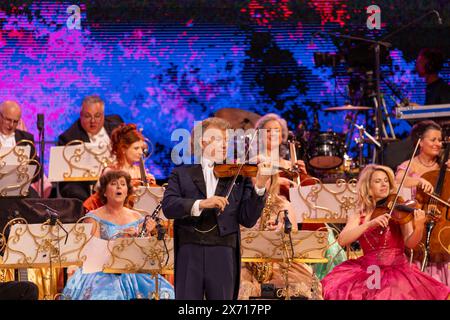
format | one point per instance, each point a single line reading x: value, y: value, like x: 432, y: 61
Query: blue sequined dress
x: 107, y: 286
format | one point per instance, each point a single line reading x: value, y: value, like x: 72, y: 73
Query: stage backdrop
x: 163, y: 64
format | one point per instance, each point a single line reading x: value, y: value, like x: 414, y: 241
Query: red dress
x: 383, y: 256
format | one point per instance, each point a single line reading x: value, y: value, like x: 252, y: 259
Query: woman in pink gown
x: 383, y: 272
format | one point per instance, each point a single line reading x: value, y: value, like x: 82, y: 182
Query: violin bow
x: 404, y: 177
x: 233, y: 182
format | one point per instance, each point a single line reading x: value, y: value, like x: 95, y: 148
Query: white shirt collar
x: 102, y: 135
x: 207, y: 163
x: 8, y: 140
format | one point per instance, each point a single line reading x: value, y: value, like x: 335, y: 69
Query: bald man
x: 10, y: 136
x: 94, y: 127
x: 10, y: 115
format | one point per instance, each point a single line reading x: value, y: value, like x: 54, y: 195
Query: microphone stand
x: 378, y: 106
x: 40, y: 126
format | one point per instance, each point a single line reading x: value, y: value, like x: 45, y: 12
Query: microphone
x: 438, y: 16
x: 40, y: 121
x: 53, y: 216
x: 287, y: 222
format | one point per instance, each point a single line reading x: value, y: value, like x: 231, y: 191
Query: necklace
x: 426, y: 165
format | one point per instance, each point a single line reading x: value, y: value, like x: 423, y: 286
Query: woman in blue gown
x: 115, y: 220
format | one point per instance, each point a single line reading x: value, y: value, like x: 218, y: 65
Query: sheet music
x: 97, y: 255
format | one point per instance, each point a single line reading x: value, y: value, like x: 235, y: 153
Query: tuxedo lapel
x: 222, y: 187
x: 198, y: 179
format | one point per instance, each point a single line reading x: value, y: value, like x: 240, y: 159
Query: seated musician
x: 18, y: 290
x: 114, y: 220
x: 426, y: 160
x: 10, y: 136
x: 94, y: 127
x: 127, y: 144
x: 301, y: 279
x: 275, y: 124
x: 383, y: 272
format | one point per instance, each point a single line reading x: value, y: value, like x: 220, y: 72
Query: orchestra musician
x: 206, y: 222
x: 427, y: 159
x: 383, y: 272
x: 127, y: 145
x: 113, y: 220
x: 94, y: 127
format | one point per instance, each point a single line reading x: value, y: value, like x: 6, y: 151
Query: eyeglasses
x: 14, y: 122
x: 90, y: 117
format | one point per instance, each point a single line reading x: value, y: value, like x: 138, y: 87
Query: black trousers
x: 15, y: 290
x: 205, y: 272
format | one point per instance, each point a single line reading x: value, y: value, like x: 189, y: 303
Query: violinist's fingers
x: 448, y: 164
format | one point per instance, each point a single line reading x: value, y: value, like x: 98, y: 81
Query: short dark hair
x: 419, y: 129
x: 435, y: 60
x: 112, y: 175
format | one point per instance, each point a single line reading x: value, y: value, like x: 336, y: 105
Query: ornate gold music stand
x: 275, y: 246
x: 44, y: 246
x: 141, y: 255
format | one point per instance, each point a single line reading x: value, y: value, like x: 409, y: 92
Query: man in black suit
x: 10, y: 136
x: 206, y: 223
x: 94, y: 127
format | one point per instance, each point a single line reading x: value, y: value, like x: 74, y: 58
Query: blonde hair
x: 274, y: 117
x: 366, y: 201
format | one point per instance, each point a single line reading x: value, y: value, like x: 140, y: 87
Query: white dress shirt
x: 211, y: 182
x: 101, y: 138
x: 8, y: 141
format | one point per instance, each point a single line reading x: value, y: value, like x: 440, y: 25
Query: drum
x: 326, y: 151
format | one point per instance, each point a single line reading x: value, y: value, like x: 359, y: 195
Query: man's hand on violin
x: 214, y: 202
x: 425, y: 185
x: 448, y: 164
x: 265, y: 171
x: 381, y: 221
x: 419, y: 218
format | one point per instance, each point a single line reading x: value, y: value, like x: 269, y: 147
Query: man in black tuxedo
x: 206, y: 223
x: 10, y: 136
x: 94, y: 127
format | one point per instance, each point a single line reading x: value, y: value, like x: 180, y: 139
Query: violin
x: 302, y: 179
x: 247, y: 170
x: 402, y: 213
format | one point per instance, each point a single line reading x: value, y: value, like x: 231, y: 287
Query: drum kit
x: 327, y: 151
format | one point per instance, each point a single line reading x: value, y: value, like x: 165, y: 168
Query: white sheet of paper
x: 97, y: 255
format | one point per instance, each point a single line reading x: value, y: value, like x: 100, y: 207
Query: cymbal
x: 238, y: 118
x: 348, y: 107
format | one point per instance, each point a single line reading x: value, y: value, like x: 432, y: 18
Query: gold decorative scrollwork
x: 153, y: 256
x: 346, y: 202
x: 19, y: 151
x: 47, y: 240
x: 101, y: 153
x: 320, y: 239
